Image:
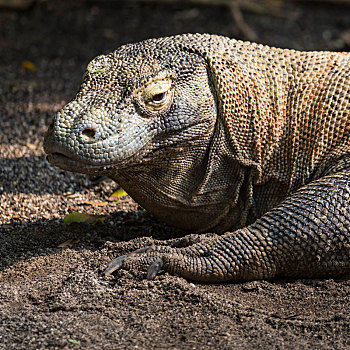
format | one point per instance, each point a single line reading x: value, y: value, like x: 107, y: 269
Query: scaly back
x: 287, y: 112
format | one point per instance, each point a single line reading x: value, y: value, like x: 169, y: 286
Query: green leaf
x: 76, y: 218
x: 73, y: 341
x: 117, y: 194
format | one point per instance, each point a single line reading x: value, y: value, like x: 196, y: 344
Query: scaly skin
x: 214, y: 134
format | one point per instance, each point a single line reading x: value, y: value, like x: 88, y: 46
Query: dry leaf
x: 16, y: 216
x: 7, y: 226
x: 31, y: 146
x: 73, y: 195
x: 102, y: 204
x: 69, y: 243
x: 77, y: 217
x: 30, y: 66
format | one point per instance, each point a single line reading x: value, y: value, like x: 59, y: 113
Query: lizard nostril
x: 89, y: 133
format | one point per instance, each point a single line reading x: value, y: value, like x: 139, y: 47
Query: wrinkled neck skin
x: 230, y: 176
x: 197, y: 189
x: 206, y: 184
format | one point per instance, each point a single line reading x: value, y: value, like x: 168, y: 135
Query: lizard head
x: 139, y: 104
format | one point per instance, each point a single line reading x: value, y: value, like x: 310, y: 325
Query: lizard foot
x: 180, y: 258
x: 149, y: 257
x: 199, y: 262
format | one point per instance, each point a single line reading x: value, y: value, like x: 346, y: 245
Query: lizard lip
x: 65, y: 162
x: 61, y: 157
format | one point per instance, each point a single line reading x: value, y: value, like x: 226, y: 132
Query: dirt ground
x: 53, y: 297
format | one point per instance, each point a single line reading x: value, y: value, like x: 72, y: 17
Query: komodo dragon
x: 216, y: 135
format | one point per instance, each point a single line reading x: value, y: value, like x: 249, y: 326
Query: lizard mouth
x: 61, y: 157
x: 66, y: 162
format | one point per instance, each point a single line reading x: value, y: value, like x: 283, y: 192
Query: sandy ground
x: 53, y: 297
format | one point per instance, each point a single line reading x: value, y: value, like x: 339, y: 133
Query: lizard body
x: 211, y: 134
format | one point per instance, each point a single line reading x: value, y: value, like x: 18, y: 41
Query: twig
x: 247, y: 31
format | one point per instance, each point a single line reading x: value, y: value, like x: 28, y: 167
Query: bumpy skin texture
x: 212, y: 134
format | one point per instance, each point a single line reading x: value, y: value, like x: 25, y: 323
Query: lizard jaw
x: 64, y: 162
x: 61, y: 158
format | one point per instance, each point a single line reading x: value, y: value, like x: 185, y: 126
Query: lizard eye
x: 157, y: 95
x: 159, y: 98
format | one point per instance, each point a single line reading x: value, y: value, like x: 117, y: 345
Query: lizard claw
x: 154, y: 268
x: 114, y: 265
x: 151, y: 257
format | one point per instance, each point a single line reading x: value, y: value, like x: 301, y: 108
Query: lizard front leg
x: 308, y: 235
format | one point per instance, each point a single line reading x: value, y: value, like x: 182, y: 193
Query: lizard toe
x: 148, y: 258
x: 154, y: 268
x: 114, y: 265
